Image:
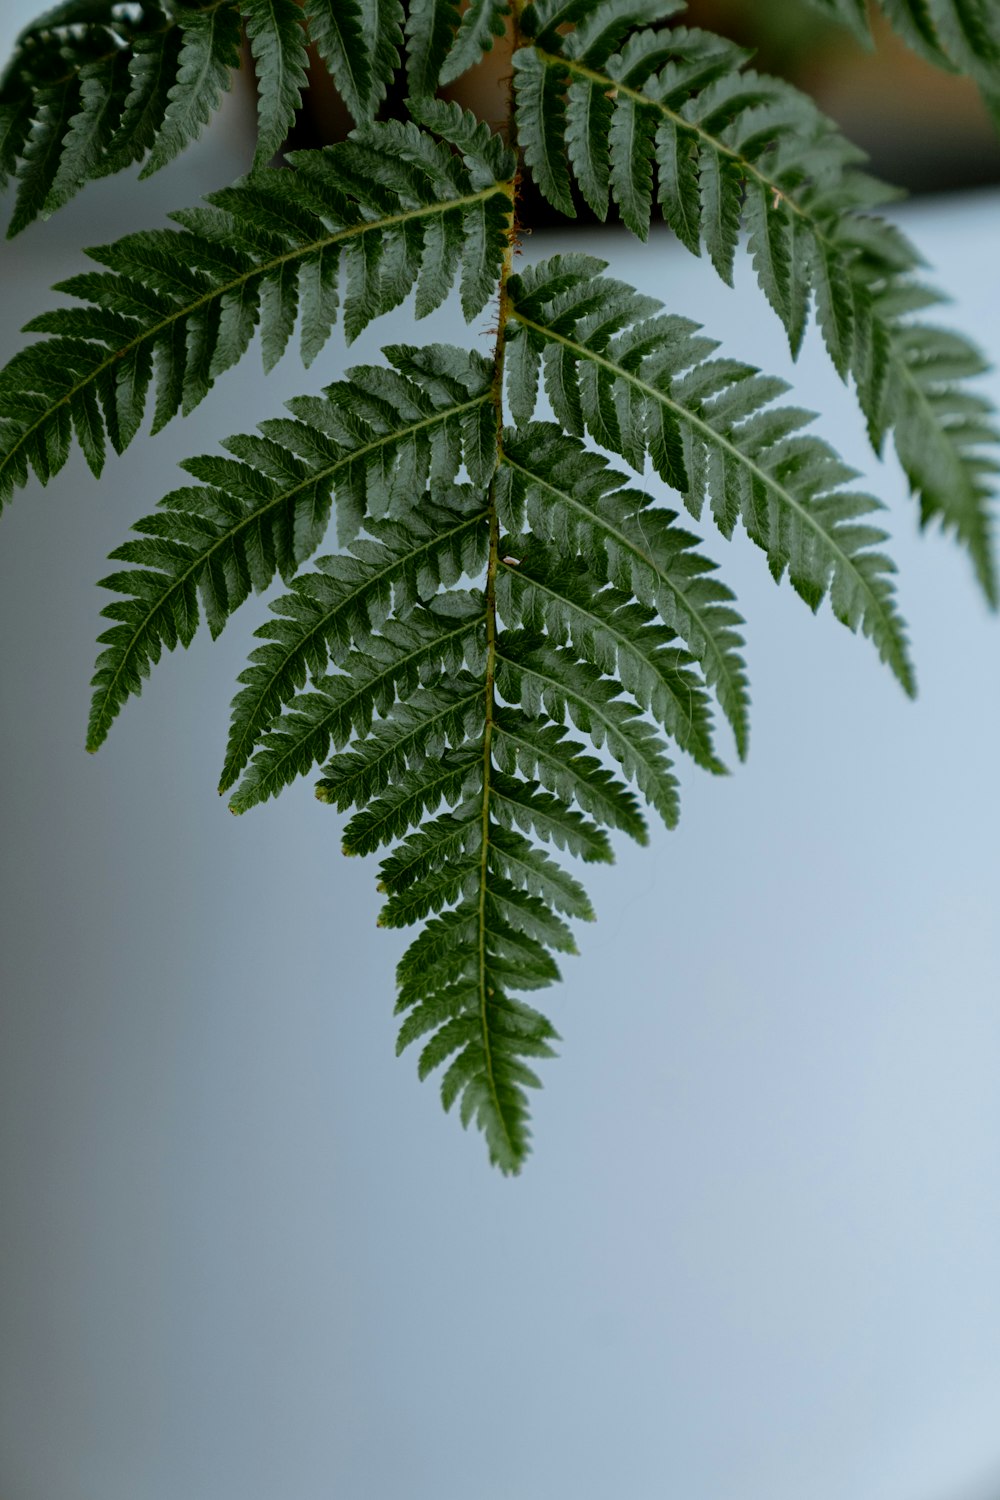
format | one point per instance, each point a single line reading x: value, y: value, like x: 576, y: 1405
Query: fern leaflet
x: 731, y: 147
x: 708, y: 428
x: 176, y: 308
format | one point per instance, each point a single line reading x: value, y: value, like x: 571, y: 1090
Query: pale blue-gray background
x: 244, y: 1255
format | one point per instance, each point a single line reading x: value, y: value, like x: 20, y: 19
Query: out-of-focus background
x: 243, y: 1254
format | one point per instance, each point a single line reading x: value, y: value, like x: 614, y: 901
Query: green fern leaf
x: 571, y: 498
x: 748, y: 460
x: 730, y: 146
x: 410, y: 715
x: 359, y: 40
x: 188, y: 299
x: 209, y: 50
x: 265, y: 509
x: 340, y: 604
x: 510, y: 641
x: 482, y: 21
x: 430, y: 32
x: 278, y: 44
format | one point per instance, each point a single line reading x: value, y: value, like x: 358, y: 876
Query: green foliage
x: 731, y: 148
x: 176, y: 307
x: 514, y: 651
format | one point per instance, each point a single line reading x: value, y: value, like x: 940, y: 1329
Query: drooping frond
x: 449, y: 721
x: 642, y: 384
x: 177, y: 307
x: 731, y: 148
x: 957, y: 35
x: 513, y: 653
x: 374, y: 440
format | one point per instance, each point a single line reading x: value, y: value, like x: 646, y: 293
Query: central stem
x: 492, y: 565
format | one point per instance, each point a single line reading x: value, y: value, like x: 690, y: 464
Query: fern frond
x: 570, y: 496
x: 373, y: 441
x: 395, y: 662
x: 395, y: 206
x: 539, y: 750
x: 731, y: 147
x: 410, y: 711
x: 710, y: 430
x: 550, y: 679
x: 510, y: 640
x: 539, y: 590
x: 441, y: 715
